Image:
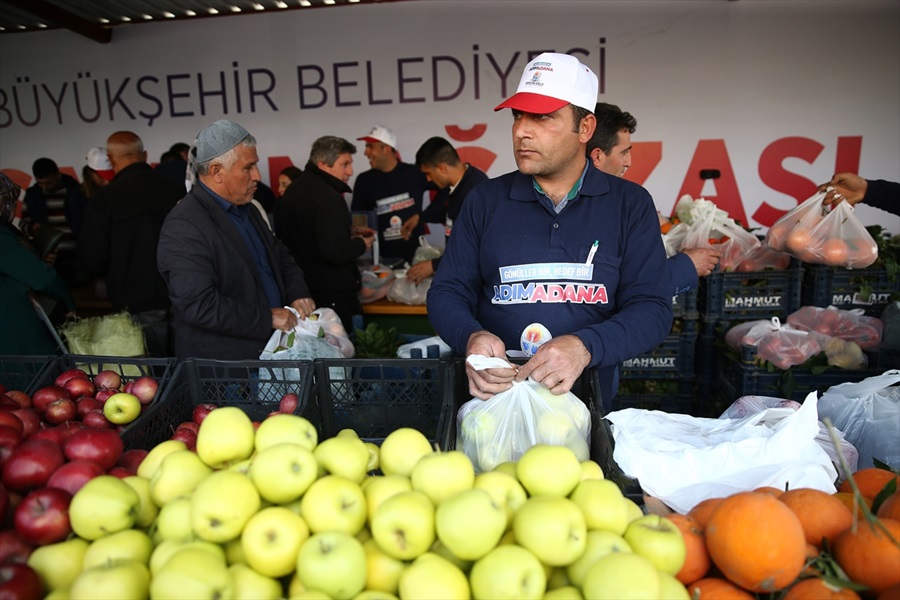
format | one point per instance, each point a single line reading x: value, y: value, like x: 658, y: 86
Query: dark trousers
x: 157, y: 326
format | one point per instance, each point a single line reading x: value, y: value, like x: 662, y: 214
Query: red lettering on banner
x: 847, y: 157
x: 644, y: 158
x: 774, y: 175
x: 712, y: 154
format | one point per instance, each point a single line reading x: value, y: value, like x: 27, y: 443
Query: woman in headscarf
x: 21, y: 272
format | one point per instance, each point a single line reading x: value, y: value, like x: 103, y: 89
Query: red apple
x: 47, y: 394
x: 187, y: 436
x: 131, y: 459
x: 43, y: 516
x: 31, y: 421
x: 79, y: 387
x: 31, y: 464
x: 67, y: 428
x: 102, y: 395
x: 72, y: 475
x: 4, y: 505
x: 48, y: 433
x: 63, y: 377
x: 86, y: 405
x: 10, y: 419
x: 60, y: 411
x: 200, y: 411
x: 145, y: 389
x: 96, y: 420
x: 108, y: 380
x: 121, y: 472
x: 189, y: 425
x: 128, y: 387
x: 103, y: 446
x: 288, y: 403
x: 273, y: 413
x: 10, y: 438
x: 20, y: 582
x: 20, y: 398
x: 13, y: 549
x: 256, y: 425
x: 2, y: 389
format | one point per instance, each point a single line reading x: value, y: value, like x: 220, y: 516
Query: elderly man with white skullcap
x: 228, y: 277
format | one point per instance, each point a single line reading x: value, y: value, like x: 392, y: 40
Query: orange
x: 696, y: 562
x: 890, y: 508
x: 868, y: 555
x: 848, y: 498
x: 768, y: 489
x: 814, y: 588
x: 714, y: 588
x: 757, y: 541
x: 834, y: 252
x: 892, y: 593
x: 703, y: 510
x: 870, y: 481
x: 821, y: 514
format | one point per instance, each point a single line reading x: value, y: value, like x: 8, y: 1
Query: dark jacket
x: 218, y: 304
x: 313, y: 220
x: 121, y: 232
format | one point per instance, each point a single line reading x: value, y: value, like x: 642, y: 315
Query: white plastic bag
x: 425, y: 251
x: 321, y: 335
x: 443, y: 349
x: 501, y: 429
x: 406, y: 292
x: 375, y: 281
x: 683, y: 460
x: 868, y: 412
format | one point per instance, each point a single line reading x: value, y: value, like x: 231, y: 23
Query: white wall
x: 790, y: 76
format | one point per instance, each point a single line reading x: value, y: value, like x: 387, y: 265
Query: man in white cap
x: 555, y: 252
x: 229, y: 277
x: 394, y: 190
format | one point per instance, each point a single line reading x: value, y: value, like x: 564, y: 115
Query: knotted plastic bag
x: 502, y: 428
x: 808, y: 213
x: 781, y: 345
x: 711, y: 227
x: 376, y: 280
x: 841, y: 240
x: 425, y: 251
x: 405, y: 291
x: 849, y: 325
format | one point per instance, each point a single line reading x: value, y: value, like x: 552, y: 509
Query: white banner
x: 776, y: 96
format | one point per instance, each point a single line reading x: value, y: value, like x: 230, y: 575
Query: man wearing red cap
x: 556, y: 243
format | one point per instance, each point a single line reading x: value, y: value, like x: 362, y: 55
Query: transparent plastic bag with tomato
x: 778, y: 343
x: 711, y: 227
x: 808, y: 213
x: 376, y: 281
x: 764, y: 258
x: 841, y: 240
x: 849, y: 325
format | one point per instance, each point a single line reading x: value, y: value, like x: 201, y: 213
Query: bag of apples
x: 502, y: 428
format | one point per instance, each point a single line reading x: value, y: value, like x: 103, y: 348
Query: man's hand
x: 557, y: 364
x: 304, y: 306
x: 420, y: 271
x: 704, y: 259
x: 485, y: 383
x: 844, y: 186
x: 283, y: 319
x: 407, y: 228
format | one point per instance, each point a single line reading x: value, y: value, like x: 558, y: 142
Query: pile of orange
x: 767, y: 540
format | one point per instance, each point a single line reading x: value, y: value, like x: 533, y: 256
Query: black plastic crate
x: 377, y: 396
x: 255, y: 386
x: 868, y: 289
x: 738, y: 296
x: 587, y: 388
x: 684, y: 305
x: 20, y: 372
x: 666, y: 395
x: 672, y: 359
x: 160, y: 369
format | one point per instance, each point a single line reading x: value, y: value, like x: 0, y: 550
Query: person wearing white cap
x: 229, y: 277
x: 96, y: 172
x: 555, y: 247
x: 393, y: 190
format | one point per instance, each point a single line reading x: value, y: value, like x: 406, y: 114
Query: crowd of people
x: 210, y: 261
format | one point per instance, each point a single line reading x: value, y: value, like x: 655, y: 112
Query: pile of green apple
x: 269, y: 512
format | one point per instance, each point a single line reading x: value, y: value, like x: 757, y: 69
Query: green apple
x: 192, y: 572
x: 441, y: 550
x: 379, y: 488
x: 440, y: 475
x: 509, y: 467
x: 470, y: 523
x: 374, y: 595
x: 478, y: 428
x: 243, y: 467
x: 634, y: 511
x: 250, y: 584
x: 567, y: 592
x: 147, y: 509
x: 508, y: 572
x: 505, y: 489
x: 156, y: 455
x: 402, y: 449
x: 578, y: 445
x: 333, y: 562
x: 403, y: 525
x: 545, y: 470
x: 283, y: 428
x: 113, y: 580
x: 551, y: 527
x: 226, y: 437
x: 348, y: 432
x: 345, y: 456
x: 177, y: 475
x: 622, y: 576
x: 659, y: 540
x: 599, y: 544
x: 432, y: 576
x: 671, y: 589
x: 591, y: 470
x: 167, y: 549
x: 382, y: 571
x: 602, y: 503
x: 374, y: 457
x: 283, y: 472
x: 174, y: 521
x: 222, y: 504
x: 558, y: 577
x: 126, y: 545
x: 122, y: 408
x: 334, y: 503
x: 59, y: 564
x: 554, y: 428
x: 488, y: 456
x: 271, y: 540
x: 104, y: 505
x: 234, y: 551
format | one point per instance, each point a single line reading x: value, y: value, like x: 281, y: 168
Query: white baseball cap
x: 551, y: 81
x: 381, y: 134
x: 98, y: 160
